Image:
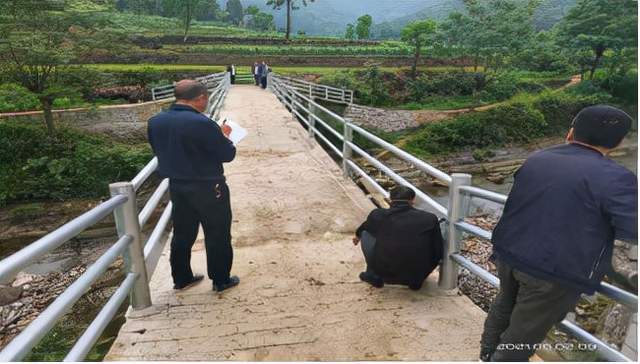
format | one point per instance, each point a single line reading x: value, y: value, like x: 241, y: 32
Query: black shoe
x: 196, y: 278
x: 233, y: 281
x: 415, y: 286
x: 372, y: 279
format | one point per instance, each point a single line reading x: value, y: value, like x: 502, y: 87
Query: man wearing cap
x: 401, y: 244
x: 555, y: 238
x: 191, y: 149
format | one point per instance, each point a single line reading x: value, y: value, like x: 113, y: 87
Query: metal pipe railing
x: 153, y: 202
x: 144, y: 174
x: 11, y: 265
x: 38, y: 328
x: 153, y: 246
x: 139, y: 261
x: 460, y: 192
x: 102, y: 320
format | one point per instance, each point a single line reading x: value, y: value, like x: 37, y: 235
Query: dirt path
x: 300, y: 297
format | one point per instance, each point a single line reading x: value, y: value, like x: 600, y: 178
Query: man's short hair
x: 190, y: 90
x: 601, y: 126
x: 402, y: 193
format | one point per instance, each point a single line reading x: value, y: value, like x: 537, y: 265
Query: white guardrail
x: 299, y: 97
x: 140, y: 257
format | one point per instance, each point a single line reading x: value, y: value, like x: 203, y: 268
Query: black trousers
x: 206, y: 203
x: 524, y: 310
x: 257, y: 79
x: 263, y: 82
x: 233, y: 79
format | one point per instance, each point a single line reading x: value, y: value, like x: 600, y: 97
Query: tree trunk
x: 187, y: 21
x: 414, y: 68
x: 47, y: 105
x: 476, y: 56
x: 288, y: 36
x: 599, y: 52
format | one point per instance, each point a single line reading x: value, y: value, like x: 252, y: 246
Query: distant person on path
x: 232, y: 73
x: 555, y: 238
x: 401, y: 244
x: 191, y: 149
x: 264, y: 72
x: 255, y: 71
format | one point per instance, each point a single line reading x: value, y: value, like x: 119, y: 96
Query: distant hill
x: 330, y: 17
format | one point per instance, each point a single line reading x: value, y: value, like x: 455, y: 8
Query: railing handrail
x: 166, y: 91
x: 288, y: 92
x: 141, y: 262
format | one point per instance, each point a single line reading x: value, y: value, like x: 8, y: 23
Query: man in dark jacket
x: 555, y: 238
x: 401, y: 245
x: 191, y: 149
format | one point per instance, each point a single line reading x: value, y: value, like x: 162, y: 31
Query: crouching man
x: 401, y: 244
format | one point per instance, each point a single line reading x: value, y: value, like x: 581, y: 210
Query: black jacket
x: 567, y: 205
x: 189, y: 145
x: 408, y: 243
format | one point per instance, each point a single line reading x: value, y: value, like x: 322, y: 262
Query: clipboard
x: 237, y: 132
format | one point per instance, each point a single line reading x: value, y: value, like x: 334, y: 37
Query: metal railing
x: 211, y: 81
x: 302, y: 105
x: 140, y: 258
x: 317, y: 91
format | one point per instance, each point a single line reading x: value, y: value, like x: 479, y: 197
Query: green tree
x: 186, y: 11
x: 350, y: 33
x: 252, y: 10
x: 236, y: 13
x: 598, y: 26
x: 454, y: 34
x: 363, y: 27
x: 385, y: 31
x: 417, y: 35
x: 207, y: 10
x: 40, y: 40
x: 291, y: 5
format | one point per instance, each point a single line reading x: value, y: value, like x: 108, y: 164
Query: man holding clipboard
x: 191, y: 150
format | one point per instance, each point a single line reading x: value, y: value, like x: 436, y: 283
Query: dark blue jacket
x: 567, y: 205
x: 189, y: 145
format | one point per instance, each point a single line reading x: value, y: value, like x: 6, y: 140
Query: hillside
x: 330, y: 17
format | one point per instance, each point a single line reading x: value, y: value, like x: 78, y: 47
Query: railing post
x: 126, y: 217
x: 153, y: 94
x: 346, y: 149
x: 449, y: 269
x: 343, y: 95
x: 312, y: 120
x: 310, y: 91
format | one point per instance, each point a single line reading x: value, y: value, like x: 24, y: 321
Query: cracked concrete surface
x: 299, y: 296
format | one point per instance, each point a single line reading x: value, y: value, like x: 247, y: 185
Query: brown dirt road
x: 300, y: 297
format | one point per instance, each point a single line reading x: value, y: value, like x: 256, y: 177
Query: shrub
x: 71, y: 164
x: 621, y: 86
x: 559, y: 108
x: 14, y: 97
x: 513, y: 123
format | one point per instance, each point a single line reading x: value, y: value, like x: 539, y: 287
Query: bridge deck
x: 299, y: 296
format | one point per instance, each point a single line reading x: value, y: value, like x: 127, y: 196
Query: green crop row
x: 384, y: 49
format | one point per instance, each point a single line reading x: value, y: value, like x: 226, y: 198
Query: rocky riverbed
x: 33, y: 290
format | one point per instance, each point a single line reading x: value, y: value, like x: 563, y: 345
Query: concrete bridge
x: 295, y: 211
x: 299, y: 297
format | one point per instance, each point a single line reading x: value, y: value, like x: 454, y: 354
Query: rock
x: 496, y: 178
x: 22, y: 279
x: 9, y: 294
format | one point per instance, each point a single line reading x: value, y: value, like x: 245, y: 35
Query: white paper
x: 237, y: 132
